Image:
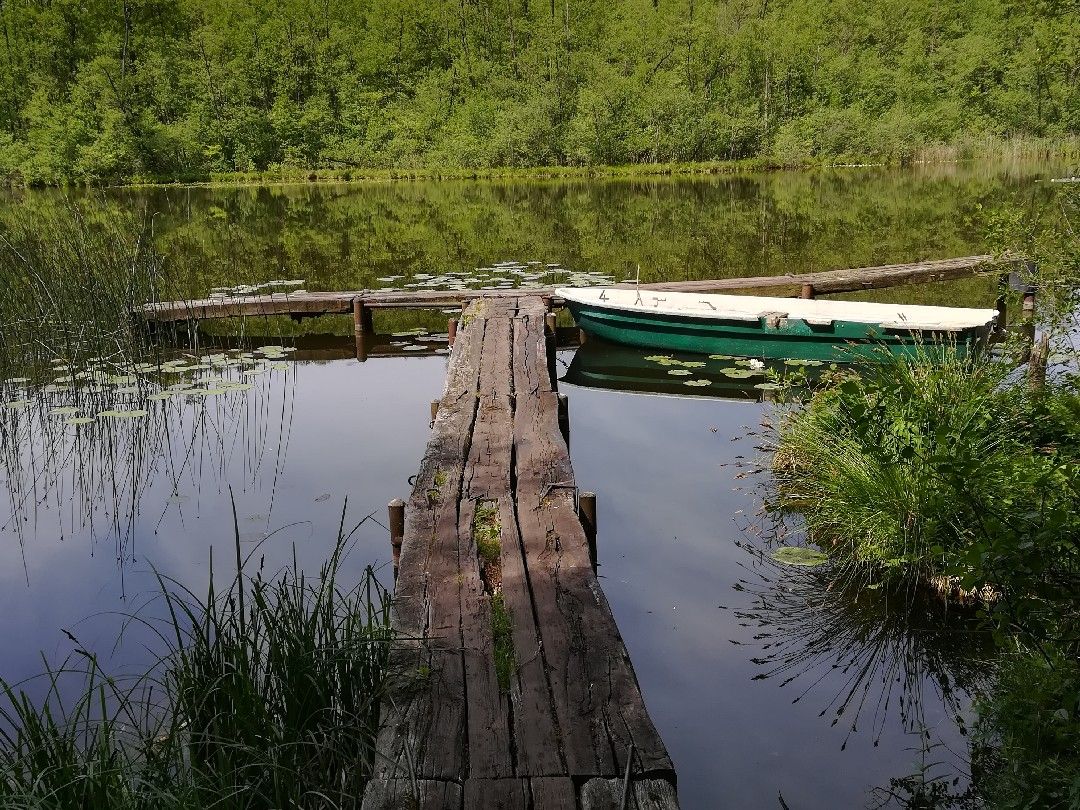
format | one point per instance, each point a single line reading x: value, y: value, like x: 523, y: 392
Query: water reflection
x: 614, y: 367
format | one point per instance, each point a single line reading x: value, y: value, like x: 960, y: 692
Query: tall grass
x: 267, y: 697
x: 71, y: 277
x: 900, y: 470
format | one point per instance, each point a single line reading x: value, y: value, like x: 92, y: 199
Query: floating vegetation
x: 738, y: 373
x: 697, y: 383
x: 680, y: 372
x: 17, y: 403
x: 118, y: 414
x: 79, y: 420
x: 65, y: 410
x: 767, y: 386
x: 799, y: 555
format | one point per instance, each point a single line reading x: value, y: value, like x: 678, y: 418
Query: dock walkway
x: 495, y: 558
x: 360, y: 303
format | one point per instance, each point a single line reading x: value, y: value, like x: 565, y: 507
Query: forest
x: 160, y: 90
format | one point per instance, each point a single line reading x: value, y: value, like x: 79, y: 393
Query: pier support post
x: 1040, y: 355
x: 1000, y: 305
x: 434, y: 410
x: 451, y: 331
x: 396, y: 508
x: 564, y: 418
x: 807, y: 291
x: 362, y: 322
x: 587, y: 516
x: 549, y: 331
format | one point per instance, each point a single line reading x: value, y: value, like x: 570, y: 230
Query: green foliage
x: 502, y: 631
x: 487, y: 532
x: 181, y: 89
x: 268, y: 697
x: 937, y: 468
x: 1028, y: 733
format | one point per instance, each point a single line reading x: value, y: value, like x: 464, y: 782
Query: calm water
x: 86, y: 517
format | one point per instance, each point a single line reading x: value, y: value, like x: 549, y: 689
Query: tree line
x: 182, y: 89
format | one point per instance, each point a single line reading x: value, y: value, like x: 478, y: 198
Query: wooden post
x: 587, y: 516
x: 451, y: 331
x: 434, y: 410
x: 1040, y: 354
x: 396, y: 508
x: 361, y: 346
x: 549, y: 323
x: 564, y: 418
x: 1000, y: 305
x: 807, y: 291
x: 362, y: 321
x: 1029, y: 303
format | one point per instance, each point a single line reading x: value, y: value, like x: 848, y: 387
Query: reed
x: 267, y: 696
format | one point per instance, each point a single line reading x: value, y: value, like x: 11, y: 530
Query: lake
x: 761, y: 682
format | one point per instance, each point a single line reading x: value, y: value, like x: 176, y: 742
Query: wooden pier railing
x: 360, y: 303
x: 515, y: 689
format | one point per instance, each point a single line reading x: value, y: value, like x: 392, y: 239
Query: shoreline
x: 988, y: 150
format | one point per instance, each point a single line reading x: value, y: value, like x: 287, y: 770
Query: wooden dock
x: 494, y: 555
x: 360, y: 303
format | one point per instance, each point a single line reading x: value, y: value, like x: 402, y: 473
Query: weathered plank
x: 309, y: 304
x: 644, y: 794
x: 423, y: 794
x: 573, y: 710
x: 597, y: 699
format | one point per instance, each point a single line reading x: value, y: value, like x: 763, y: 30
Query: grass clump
x: 487, y: 532
x: 502, y: 630
x: 904, y: 468
x: 268, y: 697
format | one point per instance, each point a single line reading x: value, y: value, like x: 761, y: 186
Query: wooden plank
x: 329, y: 303
x: 552, y: 793
x: 644, y: 794
x: 497, y: 794
x: 597, y: 700
x: 574, y: 709
x: 423, y: 733
x: 424, y: 794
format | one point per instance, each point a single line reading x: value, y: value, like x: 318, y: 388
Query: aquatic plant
x: 267, y: 696
x: 900, y: 470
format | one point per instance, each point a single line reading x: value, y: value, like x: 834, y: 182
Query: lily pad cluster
x: 500, y: 275
x: 290, y: 285
x: 102, y: 390
x: 800, y: 555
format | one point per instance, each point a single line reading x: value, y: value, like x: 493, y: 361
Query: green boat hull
x: 841, y: 341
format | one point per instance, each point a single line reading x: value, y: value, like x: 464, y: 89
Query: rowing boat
x: 757, y: 326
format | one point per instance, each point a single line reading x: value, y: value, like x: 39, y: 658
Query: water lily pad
x: 251, y: 372
x: 679, y: 372
x: 767, y: 386
x: 721, y: 357
x: 67, y: 410
x: 162, y: 395
x: 799, y: 555
x: 737, y: 373
x: 122, y: 379
x: 127, y: 389
x: 18, y: 380
x: 278, y: 366
x: 17, y: 403
x: 692, y: 364
x: 79, y: 420
x: 698, y: 383
x: 117, y: 414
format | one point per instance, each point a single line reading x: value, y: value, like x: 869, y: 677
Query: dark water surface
x: 85, y: 515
